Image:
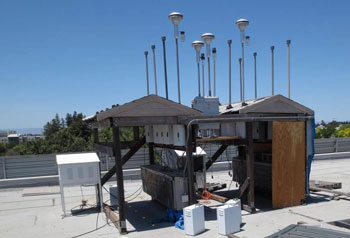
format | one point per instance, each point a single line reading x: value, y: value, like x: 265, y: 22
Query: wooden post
x: 151, y: 152
x: 190, y: 172
x: 136, y: 133
x: 120, y: 182
x: 250, y: 163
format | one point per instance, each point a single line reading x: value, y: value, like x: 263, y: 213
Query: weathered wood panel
x: 288, y: 164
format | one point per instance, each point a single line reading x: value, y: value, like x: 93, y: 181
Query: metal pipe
x: 273, y: 70
x: 229, y: 72
x: 199, y: 80
x: 214, y: 69
x: 255, y: 82
x: 203, y: 58
x: 146, y: 53
x: 178, y: 71
x: 154, y: 68
x: 165, y: 68
x: 240, y: 77
x: 209, y: 75
x: 243, y: 73
x: 288, y: 44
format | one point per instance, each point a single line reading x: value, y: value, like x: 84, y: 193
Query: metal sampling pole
x: 255, y: 82
x: 229, y: 72
x: 203, y: 58
x: 242, y: 68
x: 273, y: 70
x: 165, y: 69
x: 154, y: 68
x: 214, y: 66
x: 240, y: 77
x: 288, y: 44
x: 146, y: 53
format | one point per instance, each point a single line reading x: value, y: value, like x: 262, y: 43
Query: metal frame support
x: 120, y: 182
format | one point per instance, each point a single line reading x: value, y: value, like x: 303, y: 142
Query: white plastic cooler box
x: 194, y: 219
x: 229, y: 217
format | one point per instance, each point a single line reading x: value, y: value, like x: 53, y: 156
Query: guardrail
x: 332, y: 145
x: 45, y: 165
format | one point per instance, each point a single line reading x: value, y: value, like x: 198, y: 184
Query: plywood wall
x: 288, y: 164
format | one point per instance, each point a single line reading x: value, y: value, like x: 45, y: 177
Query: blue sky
x: 60, y: 56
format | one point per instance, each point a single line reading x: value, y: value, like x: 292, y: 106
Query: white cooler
x: 194, y: 219
x: 229, y: 219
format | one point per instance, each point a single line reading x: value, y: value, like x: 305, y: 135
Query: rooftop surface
x: 36, y: 211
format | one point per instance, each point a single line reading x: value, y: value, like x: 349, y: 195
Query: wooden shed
x: 273, y: 135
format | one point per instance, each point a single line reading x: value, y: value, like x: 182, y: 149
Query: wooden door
x: 288, y: 164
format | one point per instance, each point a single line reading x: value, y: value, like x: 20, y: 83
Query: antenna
x: 229, y: 73
x: 197, y: 45
x: 255, y: 82
x: 240, y: 77
x: 242, y: 24
x: 214, y: 67
x: 146, y: 53
x: 208, y: 38
x: 288, y: 44
x: 203, y: 58
x: 273, y: 70
x: 154, y: 68
x: 165, y: 69
x: 175, y: 18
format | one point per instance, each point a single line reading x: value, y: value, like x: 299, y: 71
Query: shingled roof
x: 276, y: 104
x: 148, y: 106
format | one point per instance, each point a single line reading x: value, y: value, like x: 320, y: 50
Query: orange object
x: 206, y: 195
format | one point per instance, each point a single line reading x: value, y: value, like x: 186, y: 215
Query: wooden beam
x: 190, y: 171
x: 102, y: 124
x: 174, y: 147
x: 217, y: 154
x: 316, y: 189
x: 151, y: 153
x: 248, y: 208
x: 112, y: 216
x: 220, y: 139
x: 250, y: 162
x: 120, y: 181
x: 136, y: 133
x: 125, y: 159
x: 244, y: 187
x: 218, y: 198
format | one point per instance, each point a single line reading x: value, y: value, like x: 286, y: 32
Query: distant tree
x: 71, y: 134
x: 3, y: 148
x: 344, y: 131
x: 105, y: 135
x: 54, y: 126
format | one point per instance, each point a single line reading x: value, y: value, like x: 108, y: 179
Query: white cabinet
x: 149, y: 134
x: 179, y: 135
x: 78, y: 169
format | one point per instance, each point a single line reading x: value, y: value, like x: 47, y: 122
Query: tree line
x: 332, y: 129
x: 63, y: 135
